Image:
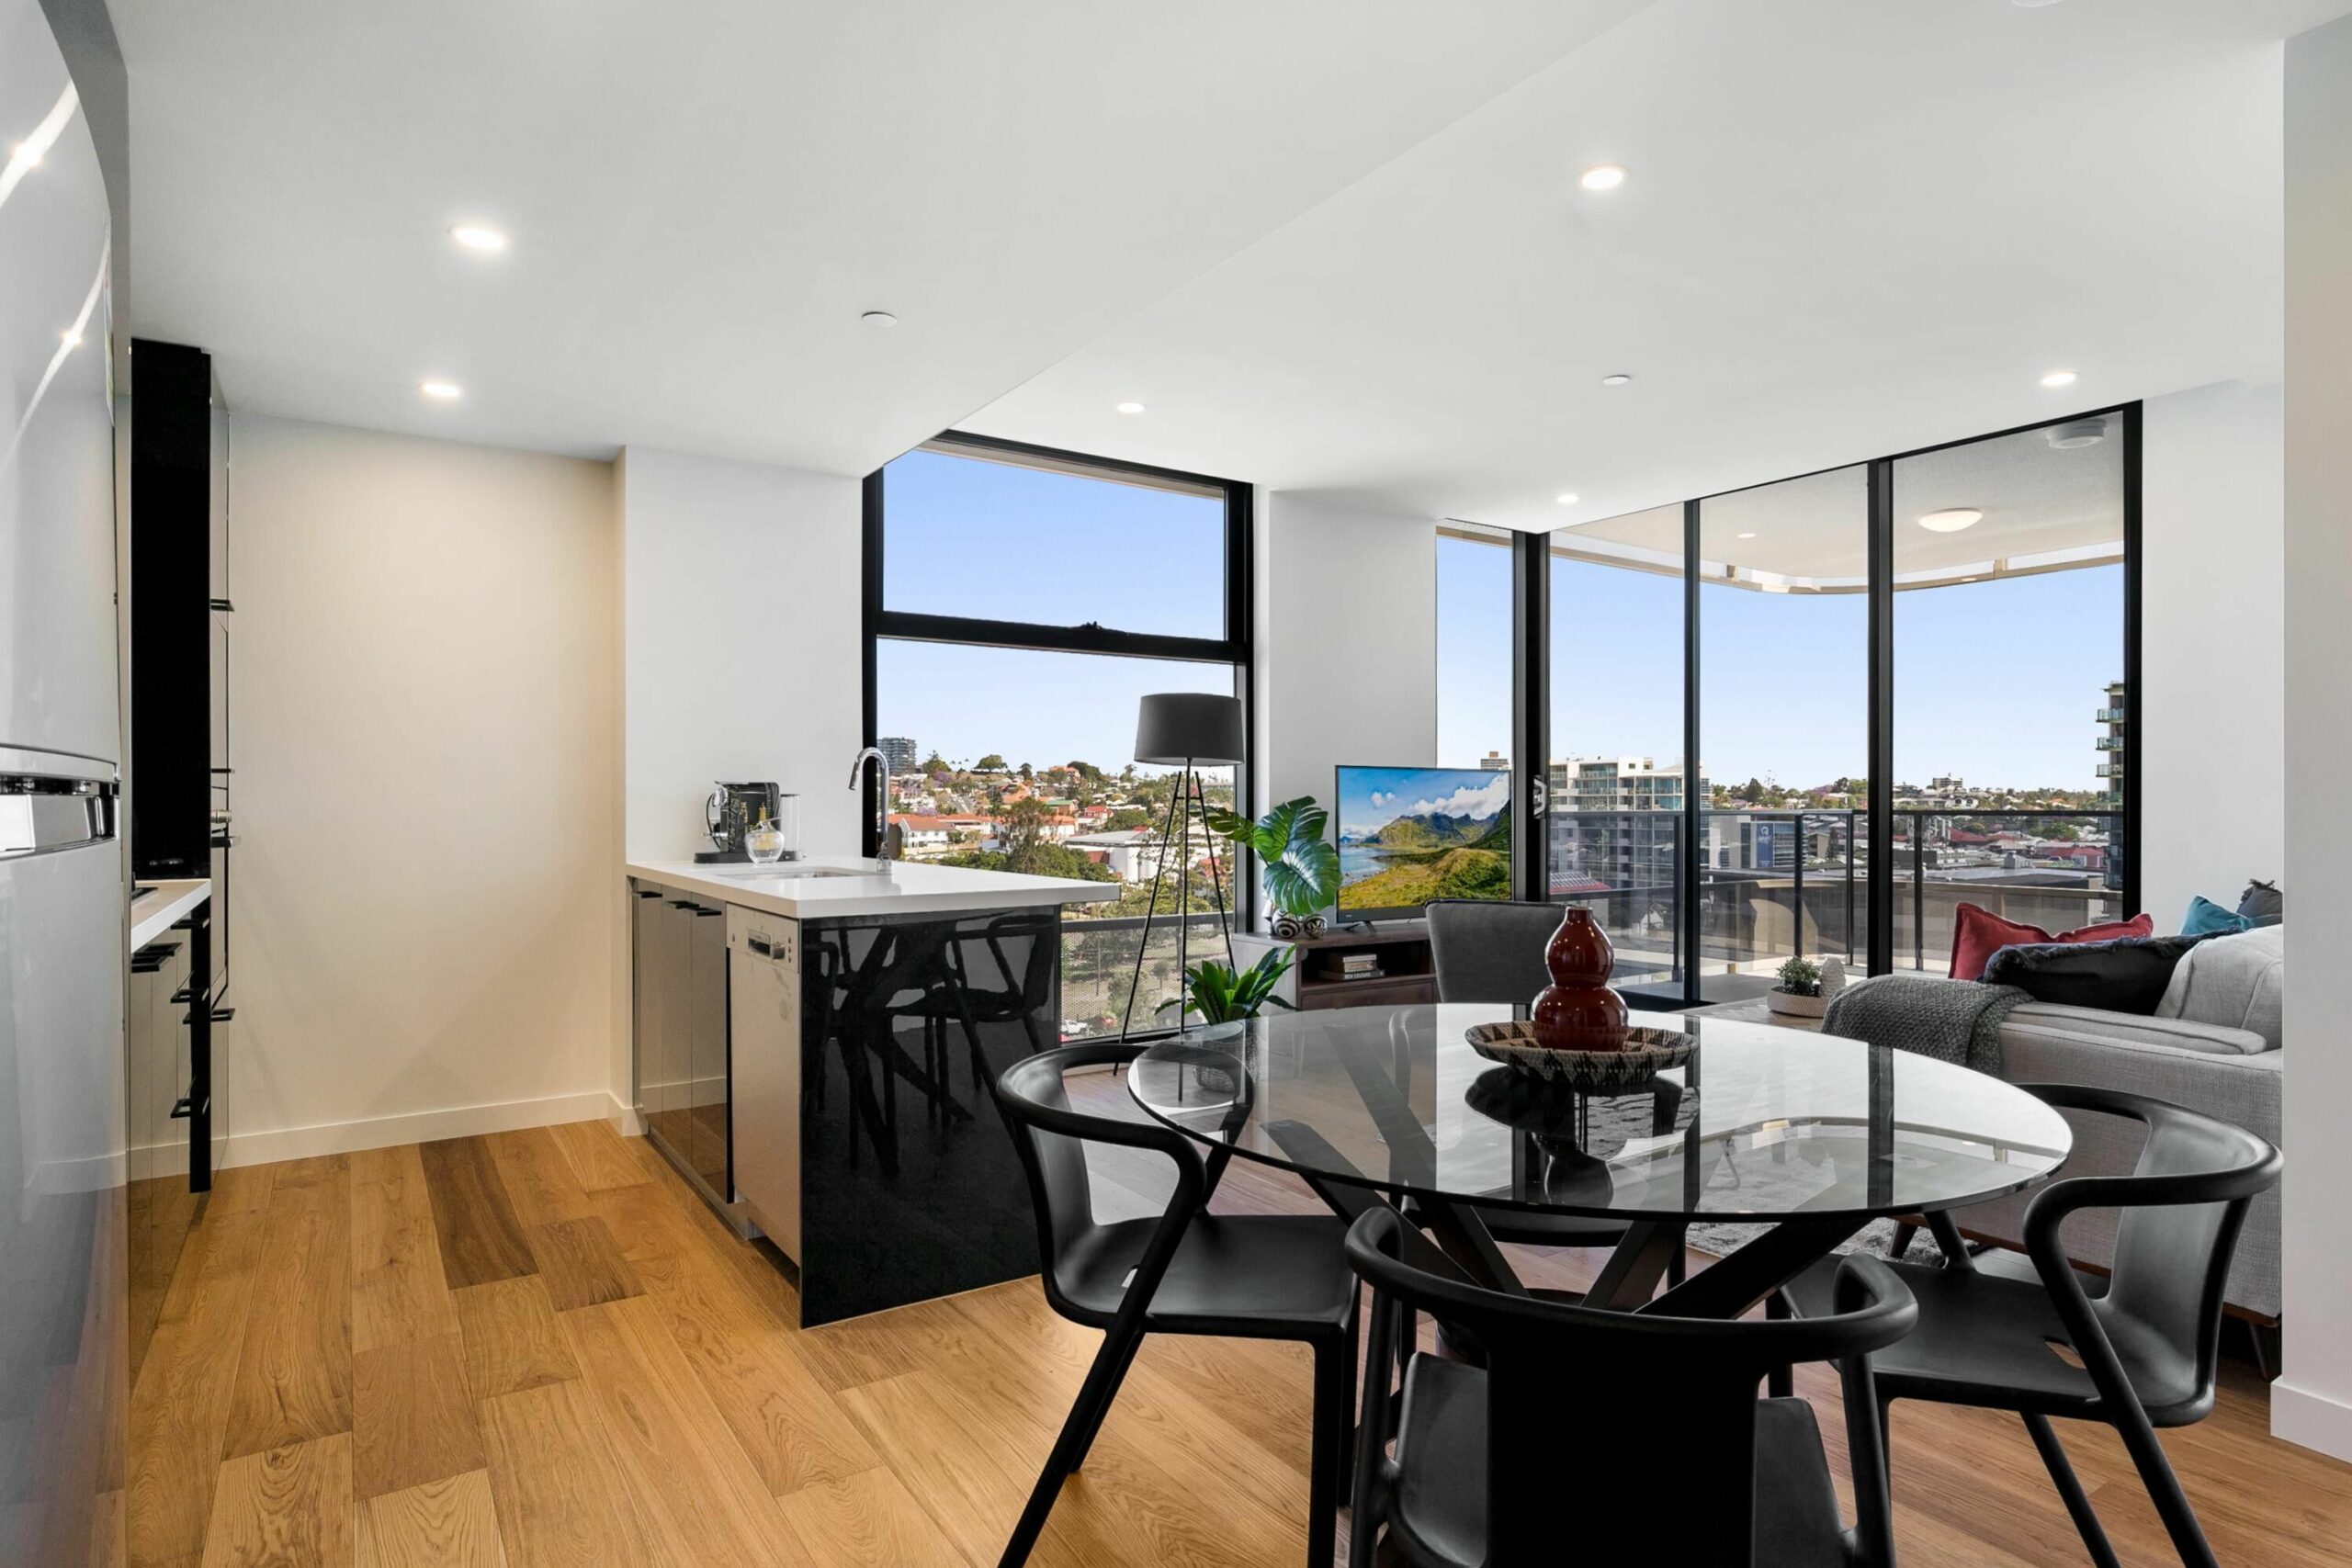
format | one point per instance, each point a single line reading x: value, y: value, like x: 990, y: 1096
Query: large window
x: 1813, y: 718
x: 1474, y: 647
x: 1020, y: 604
x: 1616, y: 774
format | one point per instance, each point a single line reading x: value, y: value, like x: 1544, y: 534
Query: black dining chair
x: 1185, y: 1271
x: 1482, y: 950
x: 2146, y: 1350
x: 1657, y: 1416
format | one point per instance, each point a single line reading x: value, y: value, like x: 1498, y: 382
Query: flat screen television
x: 1408, y: 835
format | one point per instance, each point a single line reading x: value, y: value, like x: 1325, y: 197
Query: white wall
x: 1346, y: 643
x: 2313, y: 1403
x: 423, y: 907
x: 743, y: 584
x: 2212, y: 663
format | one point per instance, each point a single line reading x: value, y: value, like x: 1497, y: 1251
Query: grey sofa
x: 2214, y: 1045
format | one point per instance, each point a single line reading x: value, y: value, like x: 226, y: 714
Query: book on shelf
x: 1353, y: 973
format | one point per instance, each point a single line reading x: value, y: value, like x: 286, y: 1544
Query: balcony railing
x: 1774, y: 885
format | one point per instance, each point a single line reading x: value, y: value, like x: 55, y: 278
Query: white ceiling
x: 1334, y: 246
x: 1852, y: 228
x: 703, y: 198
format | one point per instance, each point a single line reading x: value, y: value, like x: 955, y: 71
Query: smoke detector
x: 2081, y: 432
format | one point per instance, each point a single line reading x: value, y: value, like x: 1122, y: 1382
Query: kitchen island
x: 813, y: 1044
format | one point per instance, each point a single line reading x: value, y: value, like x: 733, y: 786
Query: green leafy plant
x: 1219, y: 995
x: 1298, y: 868
x: 1801, y: 977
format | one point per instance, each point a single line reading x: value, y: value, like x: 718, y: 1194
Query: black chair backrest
x: 1021, y: 951
x: 1656, y: 1415
x: 1051, y: 1138
x: 2181, y: 1210
x: 1486, y: 952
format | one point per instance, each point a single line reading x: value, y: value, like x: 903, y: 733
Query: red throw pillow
x: 1978, y: 933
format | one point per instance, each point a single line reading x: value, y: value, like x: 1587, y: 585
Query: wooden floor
x: 539, y: 1348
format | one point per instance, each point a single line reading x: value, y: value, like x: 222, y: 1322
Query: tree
x: 934, y: 763
x: 1125, y: 819
x: 1752, y: 792
x: 991, y: 764
x: 1026, y: 773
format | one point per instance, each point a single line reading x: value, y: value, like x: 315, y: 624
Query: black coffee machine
x: 730, y: 811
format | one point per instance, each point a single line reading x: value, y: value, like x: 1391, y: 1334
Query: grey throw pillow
x: 2128, y: 974
x: 2263, y: 903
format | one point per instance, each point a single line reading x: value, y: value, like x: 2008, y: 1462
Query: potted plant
x: 1219, y: 994
x: 1799, y: 992
x: 1298, y: 867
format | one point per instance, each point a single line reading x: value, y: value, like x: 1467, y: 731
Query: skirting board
x: 2311, y: 1420
x: 382, y: 1131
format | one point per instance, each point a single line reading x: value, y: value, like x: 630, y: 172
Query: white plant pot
x: 1790, y: 1005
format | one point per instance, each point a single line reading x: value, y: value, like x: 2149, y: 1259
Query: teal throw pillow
x: 2208, y: 918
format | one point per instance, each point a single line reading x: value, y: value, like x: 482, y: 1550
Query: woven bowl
x: 1646, y: 1052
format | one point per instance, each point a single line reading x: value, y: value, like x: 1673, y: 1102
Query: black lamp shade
x: 1176, y: 727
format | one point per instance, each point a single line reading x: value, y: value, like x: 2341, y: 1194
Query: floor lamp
x: 1187, y: 731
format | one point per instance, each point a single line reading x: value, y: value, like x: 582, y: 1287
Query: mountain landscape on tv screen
x: 1408, y: 861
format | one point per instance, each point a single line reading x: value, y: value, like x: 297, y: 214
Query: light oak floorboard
x: 294, y: 1376
x: 442, y: 1524
x: 413, y: 1416
x: 511, y: 1340
x: 697, y: 1422
x: 398, y: 1292
x: 561, y: 1499
x: 582, y: 1264
x: 285, y: 1508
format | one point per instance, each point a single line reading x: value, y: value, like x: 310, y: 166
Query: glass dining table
x: 1807, y: 1136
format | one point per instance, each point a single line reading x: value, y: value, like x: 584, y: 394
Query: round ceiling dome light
x: 478, y: 237
x: 879, y: 319
x: 2081, y: 432
x: 1566, y: 498
x: 441, y: 391
x: 1131, y: 408
x: 2059, y: 379
x: 1618, y: 379
x: 1950, y: 520
x: 1602, y: 176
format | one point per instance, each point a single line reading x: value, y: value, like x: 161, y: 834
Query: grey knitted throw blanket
x: 1952, y: 1021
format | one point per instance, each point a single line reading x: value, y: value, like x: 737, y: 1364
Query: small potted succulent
x: 1800, y: 993
x: 1218, y: 994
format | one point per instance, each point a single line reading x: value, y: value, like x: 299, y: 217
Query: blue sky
x: 1373, y: 797
x: 1995, y: 682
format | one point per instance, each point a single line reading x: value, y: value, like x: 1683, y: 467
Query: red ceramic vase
x: 1578, y: 1010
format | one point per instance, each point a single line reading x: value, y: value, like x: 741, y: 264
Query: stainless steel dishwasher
x: 763, y: 1008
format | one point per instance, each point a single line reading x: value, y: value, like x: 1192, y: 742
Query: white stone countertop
x: 152, y: 914
x: 820, y: 887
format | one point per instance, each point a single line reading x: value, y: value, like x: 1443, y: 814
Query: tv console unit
x: 1313, y: 982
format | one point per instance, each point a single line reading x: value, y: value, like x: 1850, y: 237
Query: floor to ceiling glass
x: 1784, y: 739
x: 2009, y: 700
x: 1615, y: 778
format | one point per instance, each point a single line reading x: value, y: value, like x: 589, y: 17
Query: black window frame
x: 1530, y: 706
x: 1235, y: 647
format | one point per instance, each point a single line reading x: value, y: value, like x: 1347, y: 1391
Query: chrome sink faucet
x: 886, y: 840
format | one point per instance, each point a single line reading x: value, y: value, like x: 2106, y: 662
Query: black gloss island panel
x: 911, y: 1189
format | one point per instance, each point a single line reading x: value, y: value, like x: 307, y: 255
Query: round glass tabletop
x: 1761, y: 1123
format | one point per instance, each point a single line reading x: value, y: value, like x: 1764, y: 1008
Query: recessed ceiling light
x: 477, y: 237
x: 442, y: 391
x: 1950, y: 520
x: 73, y: 336
x: 1131, y: 408
x: 1619, y: 379
x: 25, y: 156
x: 1602, y: 176
x: 879, y: 319
x: 1746, y: 535
x: 1566, y: 498
x: 2059, y: 379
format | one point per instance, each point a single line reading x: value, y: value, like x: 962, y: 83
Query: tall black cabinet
x: 178, y: 606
